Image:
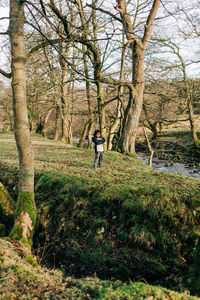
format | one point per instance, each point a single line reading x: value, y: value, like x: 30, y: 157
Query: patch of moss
x: 7, y: 205
x: 25, y: 206
x: 26, y: 203
x: 2, y: 259
x: 31, y: 260
x: 16, y: 233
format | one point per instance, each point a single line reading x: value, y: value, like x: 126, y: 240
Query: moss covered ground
x: 121, y: 222
x: 21, y: 278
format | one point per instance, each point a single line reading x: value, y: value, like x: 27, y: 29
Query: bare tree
x: 175, y: 49
x: 25, y: 215
x: 136, y: 86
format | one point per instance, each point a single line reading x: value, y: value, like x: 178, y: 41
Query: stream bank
x: 170, y: 166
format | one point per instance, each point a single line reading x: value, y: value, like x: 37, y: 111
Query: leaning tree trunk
x: 25, y: 216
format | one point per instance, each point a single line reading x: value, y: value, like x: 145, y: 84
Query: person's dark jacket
x: 97, y: 141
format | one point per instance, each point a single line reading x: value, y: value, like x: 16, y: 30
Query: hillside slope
x: 21, y: 278
x: 124, y: 221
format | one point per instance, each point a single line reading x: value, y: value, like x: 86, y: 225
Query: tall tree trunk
x: 134, y: 107
x: 136, y: 88
x: 97, y: 64
x: 66, y: 120
x: 26, y: 211
x: 91, y: 116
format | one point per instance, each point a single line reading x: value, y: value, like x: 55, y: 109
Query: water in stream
x: 171, y: 167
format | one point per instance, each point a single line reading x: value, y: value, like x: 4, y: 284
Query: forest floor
x: 175, y: 144
x: 122, y: 222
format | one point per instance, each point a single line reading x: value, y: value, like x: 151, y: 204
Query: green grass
x: 21, y: 279
x: 124, y: 221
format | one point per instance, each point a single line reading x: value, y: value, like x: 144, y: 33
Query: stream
x: 171, y: 167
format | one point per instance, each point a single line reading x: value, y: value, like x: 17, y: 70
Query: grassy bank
x: 21, y: 278
x: 124, y: 221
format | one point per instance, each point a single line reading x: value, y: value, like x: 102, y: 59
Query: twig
x: 151, y: 150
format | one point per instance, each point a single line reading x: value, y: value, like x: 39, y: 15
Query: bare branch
x: 105, y: 12
x: 150, y: 21
x: 43, y: 7
x: 126, y: 20
x: 43, y: 45
x: 59, y: 14
x: 8, y: 75
x: 4, y: 18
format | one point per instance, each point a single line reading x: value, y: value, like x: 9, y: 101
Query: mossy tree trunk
x: 25, y: 215
x: 7, y: 205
